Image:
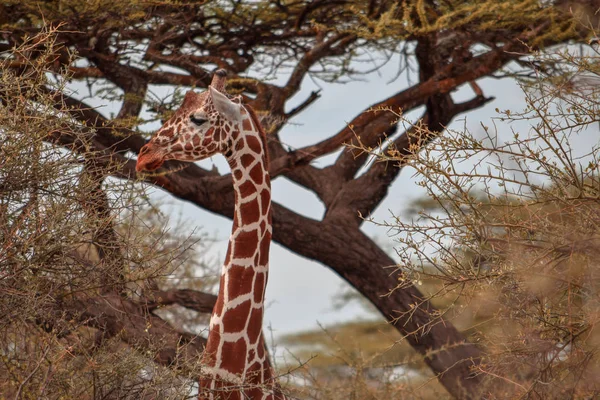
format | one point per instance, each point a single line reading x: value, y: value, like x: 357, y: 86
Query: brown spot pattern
x: 239, y: 145
x: 246, y: 124
x: 255, y: 392
x: 264, y: 249
x: 259, y: 287
x: 267, y: 375
x: 235, y: 321
x: 257, y: 174
x: 255, y: 366
x: 245, y: 244
x: 236, y: 360
x: 255, y: 325
x: 240, y: 281
x: 247, y: 188
x: 218, y: 309
x: 246, y: 159
x: 261, y: 351
x: 265, y: 200
x: 209, y: 355
x: 228, y: 255
x: 167, y: 132
x: 254, y: 144
x: 250, y: 212
x: 237, y: 174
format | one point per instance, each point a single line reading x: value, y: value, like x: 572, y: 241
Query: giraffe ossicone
x: 235, y: 362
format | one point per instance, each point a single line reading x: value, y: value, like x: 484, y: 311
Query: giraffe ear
x: 224, y: 106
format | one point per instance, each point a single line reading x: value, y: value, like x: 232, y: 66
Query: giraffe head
x: 203, y: 126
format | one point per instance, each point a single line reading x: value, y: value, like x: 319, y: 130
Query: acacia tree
x: 509, y: 231
x: 120, y: 49
x: 86, y: 263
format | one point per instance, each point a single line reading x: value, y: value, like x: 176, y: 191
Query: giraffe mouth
x: 148, y: 160
x: 150, y: 166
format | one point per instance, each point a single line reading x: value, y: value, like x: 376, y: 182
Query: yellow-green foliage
x: 354, y: 360
x: 50, y: 246
x: 406, y: 20
x: 517, y: 265
x: 417, y: 18
x: 110, y: 13
x: 373, y: 343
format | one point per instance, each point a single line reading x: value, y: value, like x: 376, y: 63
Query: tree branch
x: 323, y: 48
x: 360, y: 196
x: 369, y: 126
x: 314, y: 96
x: 134, y: 325
x: 104, y: 237
x: 188, y: 298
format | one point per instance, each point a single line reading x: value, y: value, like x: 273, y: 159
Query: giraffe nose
x: 148, y: 159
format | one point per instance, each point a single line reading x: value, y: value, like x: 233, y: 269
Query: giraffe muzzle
x: 148, y: 159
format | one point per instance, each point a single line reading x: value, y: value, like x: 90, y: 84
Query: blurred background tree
x: 86, y: 260
x: 505, y: 244
x: 89, y: 273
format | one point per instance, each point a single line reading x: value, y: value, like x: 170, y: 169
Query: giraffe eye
x: 197, y: 120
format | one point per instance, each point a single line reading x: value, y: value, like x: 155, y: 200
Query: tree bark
x: 134, y: 324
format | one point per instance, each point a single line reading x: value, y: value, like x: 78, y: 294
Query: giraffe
x: 235, y: 362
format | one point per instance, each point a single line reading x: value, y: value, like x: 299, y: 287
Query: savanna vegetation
x: 495, y: 293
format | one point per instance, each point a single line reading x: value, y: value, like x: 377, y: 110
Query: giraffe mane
x: 263, y: 135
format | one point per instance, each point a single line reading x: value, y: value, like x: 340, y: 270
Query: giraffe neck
x: 235, y: 348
